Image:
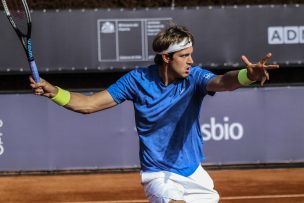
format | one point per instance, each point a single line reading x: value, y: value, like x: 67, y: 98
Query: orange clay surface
x: 234, y: 186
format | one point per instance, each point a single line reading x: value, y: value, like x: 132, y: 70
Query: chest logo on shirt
x: 181, y: 91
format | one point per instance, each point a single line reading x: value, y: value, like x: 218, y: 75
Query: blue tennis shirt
x: 167, y: 117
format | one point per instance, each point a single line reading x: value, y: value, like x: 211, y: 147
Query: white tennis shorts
x: 162, y: 187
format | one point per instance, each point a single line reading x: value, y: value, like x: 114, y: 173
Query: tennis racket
x: 18, y: 14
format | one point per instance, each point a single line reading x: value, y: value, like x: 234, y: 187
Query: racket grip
x: 34, y: 70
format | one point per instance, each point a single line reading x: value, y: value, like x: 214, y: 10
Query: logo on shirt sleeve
x: 208, y: 76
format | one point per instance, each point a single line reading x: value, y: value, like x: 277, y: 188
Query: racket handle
x: 34, y: 70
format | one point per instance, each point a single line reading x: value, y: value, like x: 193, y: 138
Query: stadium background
x: 82, y: 80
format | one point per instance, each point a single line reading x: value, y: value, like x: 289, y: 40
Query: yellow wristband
x: 243, y: 79
x: 62, y: 97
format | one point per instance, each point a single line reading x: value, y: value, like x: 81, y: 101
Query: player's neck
x: 166, y: 75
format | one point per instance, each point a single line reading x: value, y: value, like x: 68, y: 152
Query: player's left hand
x: 258, y: 72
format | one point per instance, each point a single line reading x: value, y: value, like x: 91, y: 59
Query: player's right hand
x: 43, y: 88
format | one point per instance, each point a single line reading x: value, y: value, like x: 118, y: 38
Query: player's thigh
x: 202, y: 179
x: 200, y: 188
x: 163, y: 190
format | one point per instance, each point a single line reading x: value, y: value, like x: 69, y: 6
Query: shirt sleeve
x: 123, y: 89
x: 203, y: 76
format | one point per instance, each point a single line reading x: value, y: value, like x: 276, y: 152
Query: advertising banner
x: 250, y: 125
x: 118, y: 39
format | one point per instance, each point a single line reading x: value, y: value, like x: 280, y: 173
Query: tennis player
x: 167, y: 99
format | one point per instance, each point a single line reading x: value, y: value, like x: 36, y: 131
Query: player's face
x: 181, y: 62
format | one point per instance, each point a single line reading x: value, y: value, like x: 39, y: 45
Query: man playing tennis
x: 167, y: 98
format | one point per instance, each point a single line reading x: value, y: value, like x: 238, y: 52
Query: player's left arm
x: 231, y: 80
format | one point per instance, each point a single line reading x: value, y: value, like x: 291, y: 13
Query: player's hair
x: 162, y: 41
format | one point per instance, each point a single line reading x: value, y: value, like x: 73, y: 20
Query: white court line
x: 222, y: 198
x: 263, y: 197
x: 115, y: 201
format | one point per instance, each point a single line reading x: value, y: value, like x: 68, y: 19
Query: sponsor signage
x: 117, y: 33
x: 222, y: 131
x: 286, y: 35
x: 250, y: 125
x: 114, y: 40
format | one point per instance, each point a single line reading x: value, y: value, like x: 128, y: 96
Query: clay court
x: 234, y: 186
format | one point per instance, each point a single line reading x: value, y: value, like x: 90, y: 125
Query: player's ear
x: 166, y: 58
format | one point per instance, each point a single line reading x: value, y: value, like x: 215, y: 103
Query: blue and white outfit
x: 167, y: 121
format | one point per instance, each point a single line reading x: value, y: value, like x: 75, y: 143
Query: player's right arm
x: 78, y: 102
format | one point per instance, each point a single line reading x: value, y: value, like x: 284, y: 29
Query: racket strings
x: 18, y: 15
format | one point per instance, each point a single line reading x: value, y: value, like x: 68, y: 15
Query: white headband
x: 177, y: 46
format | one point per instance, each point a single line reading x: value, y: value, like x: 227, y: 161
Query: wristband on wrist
x: 62, y: 97
x: 243, y: 78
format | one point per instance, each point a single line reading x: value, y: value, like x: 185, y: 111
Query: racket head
x: 18, y: 14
